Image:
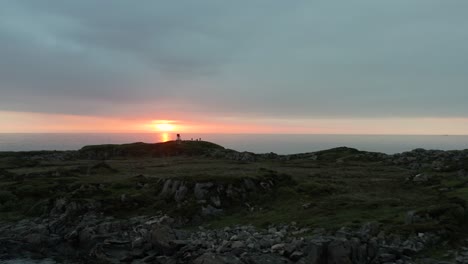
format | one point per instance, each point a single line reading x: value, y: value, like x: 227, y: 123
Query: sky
x: 253, y: 66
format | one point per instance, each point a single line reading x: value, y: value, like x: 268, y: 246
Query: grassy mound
x: 165, y: 149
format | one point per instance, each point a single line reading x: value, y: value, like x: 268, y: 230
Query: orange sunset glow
x: 220, y: 75
x: 15, y: 122
x: 164, y: 127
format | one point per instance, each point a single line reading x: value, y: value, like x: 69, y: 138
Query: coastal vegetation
x: 203, y: 185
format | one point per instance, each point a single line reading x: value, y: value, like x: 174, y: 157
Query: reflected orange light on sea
x: 164, y: 137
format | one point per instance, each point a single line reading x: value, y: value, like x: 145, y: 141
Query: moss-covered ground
x: 323, y: 192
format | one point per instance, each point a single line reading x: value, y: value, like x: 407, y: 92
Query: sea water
x: 258, y: 143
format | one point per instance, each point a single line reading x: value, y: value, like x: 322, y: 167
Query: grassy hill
x: 170, y: 148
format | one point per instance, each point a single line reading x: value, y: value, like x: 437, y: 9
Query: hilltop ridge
x: 140, y: 149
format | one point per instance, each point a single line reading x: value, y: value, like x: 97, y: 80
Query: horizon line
x: 223, y: 133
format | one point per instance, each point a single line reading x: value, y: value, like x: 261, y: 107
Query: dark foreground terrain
x: 196, y: 202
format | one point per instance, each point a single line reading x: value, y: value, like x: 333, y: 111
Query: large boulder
x: 170, y: 187
x: 316, y: 251
x: 87, y: 238
x: 162, y: 238
x: 339, y: 252
x: 358, y: 251
x: 201, y: 189
x: 180, y: 194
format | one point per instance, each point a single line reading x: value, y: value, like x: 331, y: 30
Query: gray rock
x: 296, y: 255
x: 293, y: 246
x: 266, y: 259
x: 181, y: 193
x: 223, y: 247
x: 278, y: 247
x: 369, y: 230
x: 265, y: 243
x: 210, y: 258
x: 166, y: 189
x: 123, y: 198
x: 201, y: 189
x: 86, y: 237
x: 162, y: 238
x: 422, y: 177
x: 316, y: 252
x: 170, y: 187
x: 358, y: 251
x: 250, y: 185
x: 409, y: 218
x: 339, y: 252
x: 36, y: 241
x: 210, y: 210
x: 387, y: 257
x: 138, y: 242
x: 372, y: 248
x: 216, y: 201
x: 246, y: 156
x: 238, y: 244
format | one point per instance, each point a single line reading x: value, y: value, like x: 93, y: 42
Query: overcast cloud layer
x: 273, y: 58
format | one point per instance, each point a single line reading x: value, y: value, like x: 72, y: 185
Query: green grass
x: 351, y: 192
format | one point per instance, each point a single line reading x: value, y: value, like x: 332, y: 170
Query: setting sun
x: 164, y: 127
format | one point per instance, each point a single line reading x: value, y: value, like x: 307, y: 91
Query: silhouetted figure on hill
x: 178, y: 140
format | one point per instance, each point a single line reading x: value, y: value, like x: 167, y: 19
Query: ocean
x: 258, y: 143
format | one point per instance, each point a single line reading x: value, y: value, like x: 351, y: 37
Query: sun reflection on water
x: 164, y: 137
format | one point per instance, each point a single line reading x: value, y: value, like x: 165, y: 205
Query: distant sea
x: 258, y: 143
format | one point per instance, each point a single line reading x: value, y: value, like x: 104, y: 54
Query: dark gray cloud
x: 258, y: 58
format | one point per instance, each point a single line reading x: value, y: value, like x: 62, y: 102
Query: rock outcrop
x: 77, y: 232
